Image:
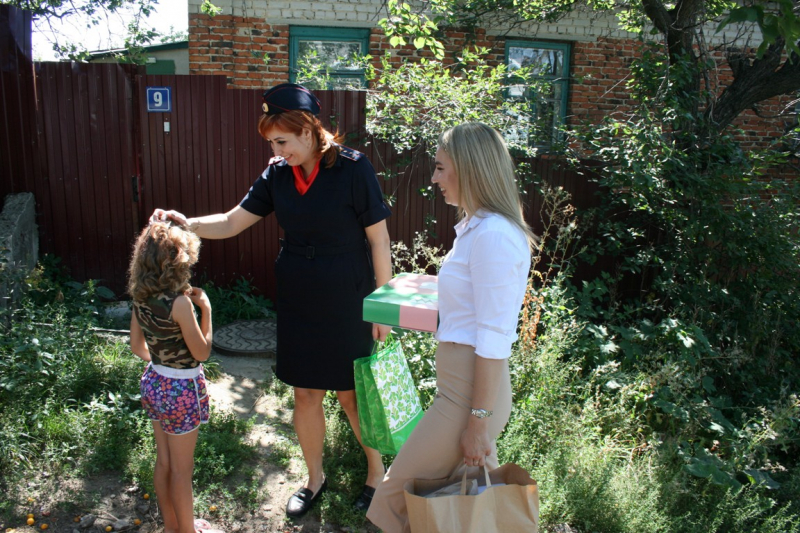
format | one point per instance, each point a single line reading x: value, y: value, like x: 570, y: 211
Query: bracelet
x: 480, y: 413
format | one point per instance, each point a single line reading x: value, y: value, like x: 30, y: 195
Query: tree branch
x: 755, y: 81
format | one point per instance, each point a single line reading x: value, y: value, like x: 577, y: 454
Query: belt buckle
x: 309, y: 252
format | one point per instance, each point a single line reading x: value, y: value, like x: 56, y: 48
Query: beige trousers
x: 433, y: 450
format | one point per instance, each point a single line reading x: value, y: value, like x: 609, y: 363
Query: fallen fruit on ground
x: 212, y: 508
x: 31, y: 521
x: 146, y: 496
x: 109, y: 528
x: 137, y: 522
x: 43, y: 526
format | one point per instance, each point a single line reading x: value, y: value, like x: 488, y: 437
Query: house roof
x: 177, y: 45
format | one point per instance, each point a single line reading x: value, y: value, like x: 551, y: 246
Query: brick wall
x: 249, y: 44
x: 600, y: 71
x: 248, y: 51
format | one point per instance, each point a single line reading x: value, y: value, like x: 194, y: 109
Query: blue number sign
x: 159, y: 99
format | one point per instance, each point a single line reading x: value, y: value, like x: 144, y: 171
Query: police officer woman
x: 329, y: 203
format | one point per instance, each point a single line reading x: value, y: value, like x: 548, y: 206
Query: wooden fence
x: 80, y: 137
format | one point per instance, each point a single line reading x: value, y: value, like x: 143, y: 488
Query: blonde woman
x: 481, y: 286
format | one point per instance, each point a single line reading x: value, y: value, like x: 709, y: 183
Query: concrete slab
x: 247, y: 338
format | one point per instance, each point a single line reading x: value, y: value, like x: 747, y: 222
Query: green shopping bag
x: 388, y: 401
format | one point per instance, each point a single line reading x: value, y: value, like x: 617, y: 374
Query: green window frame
x: 332, y: 49
x: 548, y: 104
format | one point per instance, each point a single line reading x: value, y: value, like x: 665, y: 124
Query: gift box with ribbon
x: 408, y: 301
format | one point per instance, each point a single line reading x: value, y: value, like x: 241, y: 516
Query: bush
x: 239, y: 301
x: 69, y: 397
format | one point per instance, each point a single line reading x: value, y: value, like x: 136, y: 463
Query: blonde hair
x: 294, y: 122
x: 162, y: 261
x: 486, y: 173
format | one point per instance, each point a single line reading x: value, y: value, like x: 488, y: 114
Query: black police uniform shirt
x: 324, y: 269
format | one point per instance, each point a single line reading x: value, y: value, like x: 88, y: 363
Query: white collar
x: 471, y: 221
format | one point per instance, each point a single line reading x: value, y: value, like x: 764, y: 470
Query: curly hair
x: 162, y: 261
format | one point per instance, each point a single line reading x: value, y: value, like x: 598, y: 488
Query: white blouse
x: 482, y: 283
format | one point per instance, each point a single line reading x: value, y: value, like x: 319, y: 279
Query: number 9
x: 158, y: 98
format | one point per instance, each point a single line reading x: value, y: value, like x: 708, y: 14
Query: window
x: 160, y: 66
x: 549, y: 62
x: 335, y: 52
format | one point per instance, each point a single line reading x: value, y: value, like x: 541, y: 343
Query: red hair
x: 294, y: 122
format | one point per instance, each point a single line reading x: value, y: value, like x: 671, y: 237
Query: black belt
x: 310, y: 252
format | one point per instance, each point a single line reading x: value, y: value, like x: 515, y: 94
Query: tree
x: 96, y: 13
x: 701, y: 302
x: 770, y: 69
x: 89, y: 14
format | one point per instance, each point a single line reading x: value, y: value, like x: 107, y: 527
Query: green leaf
x: 699, y: 469
x: 105, y: 292
x: 759, y: 477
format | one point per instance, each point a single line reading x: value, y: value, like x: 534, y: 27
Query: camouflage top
x: 162, y: 333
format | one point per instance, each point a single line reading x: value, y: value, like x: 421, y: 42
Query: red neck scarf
x: 302, y: 184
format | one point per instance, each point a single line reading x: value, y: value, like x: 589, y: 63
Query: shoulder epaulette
x: 351, y: 154
x: 274, y: 160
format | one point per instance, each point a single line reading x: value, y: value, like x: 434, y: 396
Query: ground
x: 58, y: 502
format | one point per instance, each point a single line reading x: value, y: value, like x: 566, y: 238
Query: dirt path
x: 240, y: 390
x: 59, y: 502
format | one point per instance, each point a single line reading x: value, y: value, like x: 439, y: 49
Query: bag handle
x: 464, y: 479
x: 378, y: 345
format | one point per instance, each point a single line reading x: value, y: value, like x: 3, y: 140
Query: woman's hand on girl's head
x: 161, y: 215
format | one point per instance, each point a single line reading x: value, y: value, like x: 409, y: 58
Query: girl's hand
x: 379, y: 332
x: 160, y: 215
x: 475, y: 443
x: 199, y: 297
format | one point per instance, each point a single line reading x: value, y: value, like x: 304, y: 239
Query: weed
x: 238, y: 301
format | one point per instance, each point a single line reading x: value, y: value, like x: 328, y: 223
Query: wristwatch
x: 481, y: 413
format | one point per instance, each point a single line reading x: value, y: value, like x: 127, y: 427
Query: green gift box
x: 409, y: 301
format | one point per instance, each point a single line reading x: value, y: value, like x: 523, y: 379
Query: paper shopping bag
x: 388, y: 401
x: 507, y: 501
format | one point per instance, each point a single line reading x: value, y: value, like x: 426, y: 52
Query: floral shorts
x: 179, y: 403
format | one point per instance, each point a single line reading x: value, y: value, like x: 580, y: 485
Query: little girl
x: 165, y: 332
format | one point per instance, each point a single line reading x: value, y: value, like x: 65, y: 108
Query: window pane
x: 345, y: 82
x: 544, y: 87
x: 336, y: 55
x: 543, y: 61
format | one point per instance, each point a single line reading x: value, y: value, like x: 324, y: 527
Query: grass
x: 69, y: 408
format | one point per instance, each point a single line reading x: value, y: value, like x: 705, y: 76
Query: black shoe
x: 303, y: 500
x: 363, y: 501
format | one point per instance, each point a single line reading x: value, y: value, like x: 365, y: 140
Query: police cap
x: 287, y: 97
